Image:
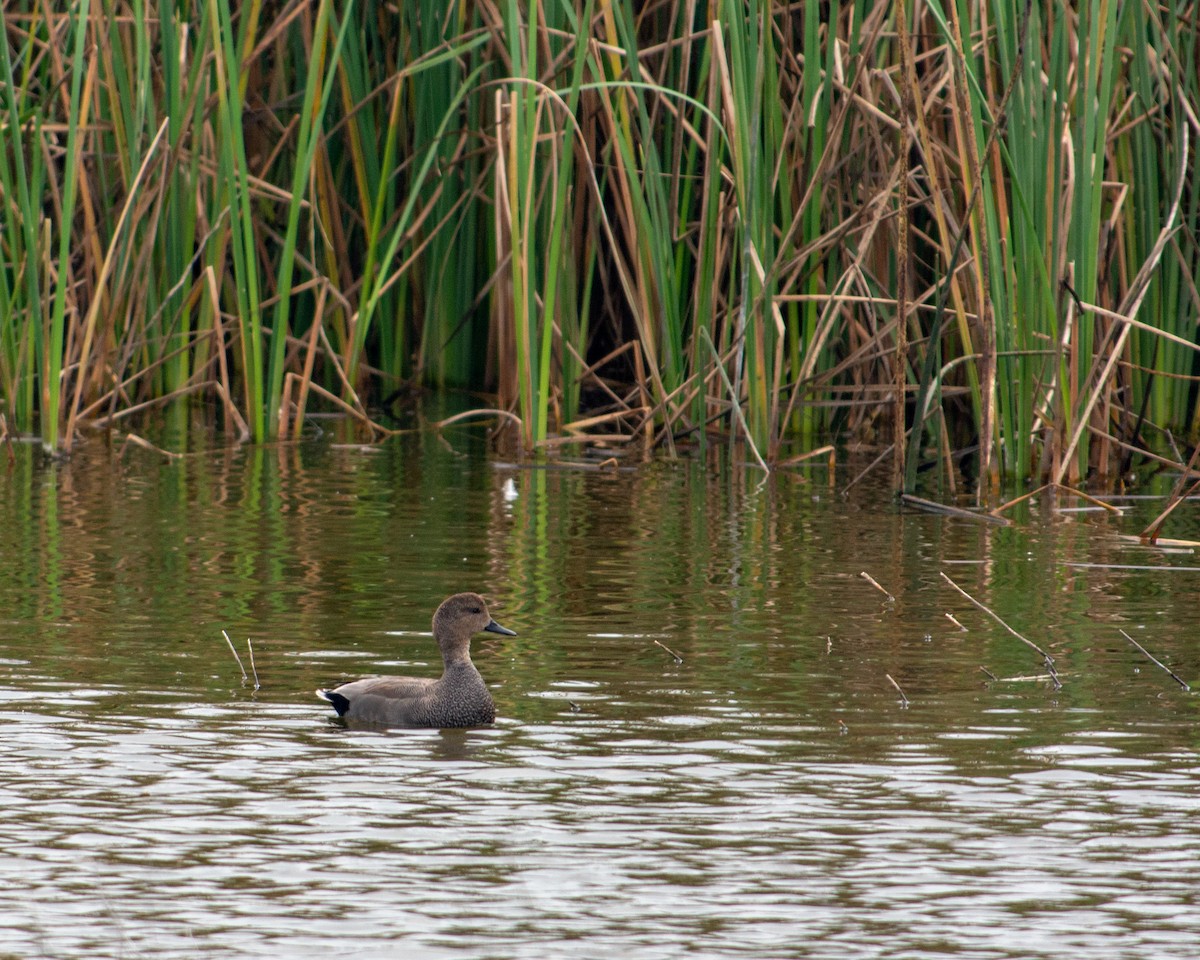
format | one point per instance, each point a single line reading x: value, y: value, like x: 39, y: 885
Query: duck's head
x: 462, y: 616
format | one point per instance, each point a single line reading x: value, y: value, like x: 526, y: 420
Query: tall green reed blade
x: 128, y: 87
x: 708, y: 260
x: 948, y: 233
x: 650, y: 225
x: 555, y: 263
x: 520, y: 188
x: 322, y: 66
x: 453, y: 245
x: 52, y: 364
x: 1145, y: 160
x: 751, y: 126
x: 384, y: 242
x: 182, y: 89
x: 1025, y: 230
x: 1006, y: 307
x: 1023, y: 241
x: 134, y: 332
x: 1096, y: 79
x: 346, y: 173
x: 743, y: 98
x: 234, y: 176
x: 987, y: 218
x: 965, y: 121
x: 143, y: 65
x: 23, y: 313
x: 816, y: 107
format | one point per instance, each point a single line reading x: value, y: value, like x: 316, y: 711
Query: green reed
x: 24, y: 336
x: 694, y: 217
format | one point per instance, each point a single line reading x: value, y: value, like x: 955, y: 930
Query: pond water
x: 764, y: 792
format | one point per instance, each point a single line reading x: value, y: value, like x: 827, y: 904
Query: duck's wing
x: 390, y: 688
x: 386, y: 701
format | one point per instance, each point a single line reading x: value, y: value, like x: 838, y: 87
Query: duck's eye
x: 476, y: 610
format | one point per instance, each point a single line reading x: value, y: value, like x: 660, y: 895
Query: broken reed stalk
x: 875, y: 583
x: 735, y: 402
x: 678, y: 658
x: 931, y: 506
x: 1150, y: 534
x: 1046, y: 658
x: 954, y: 620
x: 867, y: 469
x: 253, y: 668
x: 828, y: 451
x: 1158, y: 663
x: 1057, y: 487
x: 486, y: 412
x: 903, y: 698
x: 147, y: 445
x: 233, y: 650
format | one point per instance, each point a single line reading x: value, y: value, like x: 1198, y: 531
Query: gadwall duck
x: 459, y: 698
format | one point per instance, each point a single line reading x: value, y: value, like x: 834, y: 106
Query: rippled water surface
x: 769, y: 795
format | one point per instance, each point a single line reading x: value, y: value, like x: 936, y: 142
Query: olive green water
x: 768, y: 796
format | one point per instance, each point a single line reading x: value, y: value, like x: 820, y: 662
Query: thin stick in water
x: 1046, y: 658
x: 867, y: 469
x: 801, y: 457
x: 678, y: 658
x: 1058, y: 488
x: 1150, y: 534
x: 990, y: 675
x: 1156, y: 662
x: 875, y: 583
x: 487, y: 412
x: 233, y: 650
x: 946, y: 509
x: 735, y: 403
x: 903, y: 698
x: 253, y: 668
x: 147, y: 445
x: 954, y: 620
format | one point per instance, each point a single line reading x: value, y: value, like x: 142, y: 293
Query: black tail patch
x: 340, y: 703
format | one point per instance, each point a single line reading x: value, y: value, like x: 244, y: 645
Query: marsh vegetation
x: 961, y: 233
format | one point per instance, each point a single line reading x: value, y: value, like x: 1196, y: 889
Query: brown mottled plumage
x: 459, y: 698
